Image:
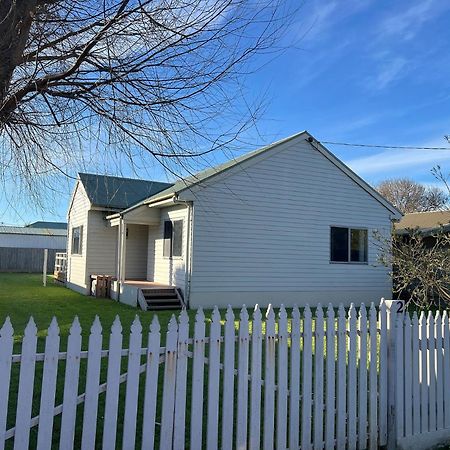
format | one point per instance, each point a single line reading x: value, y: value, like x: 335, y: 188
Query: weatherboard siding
x: 165, y: 270
x: 102, y: 245
x: 78, y: 215
x: 262, y: 233
x: 136, y: 252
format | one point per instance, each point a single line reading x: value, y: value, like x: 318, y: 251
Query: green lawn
x: 22, y: 296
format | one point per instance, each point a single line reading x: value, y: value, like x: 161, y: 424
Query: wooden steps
x: 160, y: 298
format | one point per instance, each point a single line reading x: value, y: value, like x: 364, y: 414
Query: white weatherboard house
x: 288, y: 223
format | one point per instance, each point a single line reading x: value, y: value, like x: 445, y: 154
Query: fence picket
x: 362, y: 379
x: 318, y: 378
x: 132, y: 388
x: 330, y: 414
x: 383, y: 381
x: 71, y: 376
x: 197, y: 381
x: 212, y: 438
x: 112, y: 380
x: 306, y: 379
x: 294, y: 381
x: 92, y: 383
x: 179, y: 425
x: 373, y: 407
x: 242, y: 398
x: 228, y: 381
x: 446, y: 368
x: 351, y: 386
x: 341, y: 409
x: 439, y: 373
x: 423, y: 373
x: 282, y: 380
x: 255, y: 383
x: 151, y: 385
x: 408, y: 376
x: 399, y: 377
x: 168, y: 399
x: 269, y: 381
x: 48, y: 391
x: 431, y: 372
x: 6, y: 349
x: 415, y: 374
x: 26, y: 384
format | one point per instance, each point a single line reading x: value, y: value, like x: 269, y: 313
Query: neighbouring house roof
x: 188, y: 182
x: 116, y: 192
x: 33, y: 231
x: 52, y: 225
x: 426, y: 222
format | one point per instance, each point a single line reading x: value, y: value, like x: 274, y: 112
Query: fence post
x: 394, y: 308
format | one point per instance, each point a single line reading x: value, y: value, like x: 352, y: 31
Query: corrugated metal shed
x: 33, y: 231
x: 24, y: 237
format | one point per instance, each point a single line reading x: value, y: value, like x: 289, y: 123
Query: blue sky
x: 362, y: 71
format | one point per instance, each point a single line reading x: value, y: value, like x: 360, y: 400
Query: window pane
x: 339, y: 244
x: 167, y: 246
x: 358, y: 243
x: 76, y: 240
x: 177, y: 244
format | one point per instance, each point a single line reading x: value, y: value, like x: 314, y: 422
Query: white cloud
x: 390, y: 71
x: 407, y: 22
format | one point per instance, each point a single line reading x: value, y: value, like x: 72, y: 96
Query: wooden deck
x: 144, y: 284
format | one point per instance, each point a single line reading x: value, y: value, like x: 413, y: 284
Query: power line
x: 400, y: 147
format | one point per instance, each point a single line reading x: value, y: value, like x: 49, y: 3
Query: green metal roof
x: 116, y: 192
x: 52, y: 225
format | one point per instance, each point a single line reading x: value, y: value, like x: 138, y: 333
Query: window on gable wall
x: 77, y: 240
x: 348, y: 245
x: 173, y: 238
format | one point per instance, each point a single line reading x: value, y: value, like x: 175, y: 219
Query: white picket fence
x: 332, y: 380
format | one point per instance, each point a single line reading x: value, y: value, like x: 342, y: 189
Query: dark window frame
x: 173, y: 249
x: 349, y: 245
x: 78, y: 248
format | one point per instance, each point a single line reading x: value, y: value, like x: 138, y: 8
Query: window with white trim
x: 77, y: 240
x: 173, y: 239
x: 348, y: 245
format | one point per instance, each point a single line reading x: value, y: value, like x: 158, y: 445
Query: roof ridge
x: 124, y: 178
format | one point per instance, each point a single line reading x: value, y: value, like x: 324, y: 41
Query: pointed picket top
x: 229, y: 315
x: 215, y: 317
x: 319, y: 311
x: 422, y: 318
x: 257, y: 315
x: 415, y: 319
x: 372, y: 311
x: 155, y: 327
x: 31, y: 328
x: 282, y: 314
x: 295, y: 313
x: 362, y: 312
x: 437, y: 316
x: 407, y: 320
x: 116, y: 327
x: 199, y: 316
x: 341, y: 311
x: 307, y: 312
x: 330, y: 311
x: 136, y: 326
x: 96, y: 327
x: 352, y: 312
x: 7, y: 328
x: 243, y: 313
x: 430, y: 318
x: 270, y: 313
x: 53, y: 329
x: 183, y: 318
x: 173, y: 325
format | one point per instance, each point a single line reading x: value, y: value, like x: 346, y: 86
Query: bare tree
x: 410, y: 196
x: 94, y: 80
x: 420, y: 265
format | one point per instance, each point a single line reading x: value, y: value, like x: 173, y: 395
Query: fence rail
x: 288, y: 381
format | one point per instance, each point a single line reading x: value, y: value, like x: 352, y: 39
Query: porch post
x: 123, y: 250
